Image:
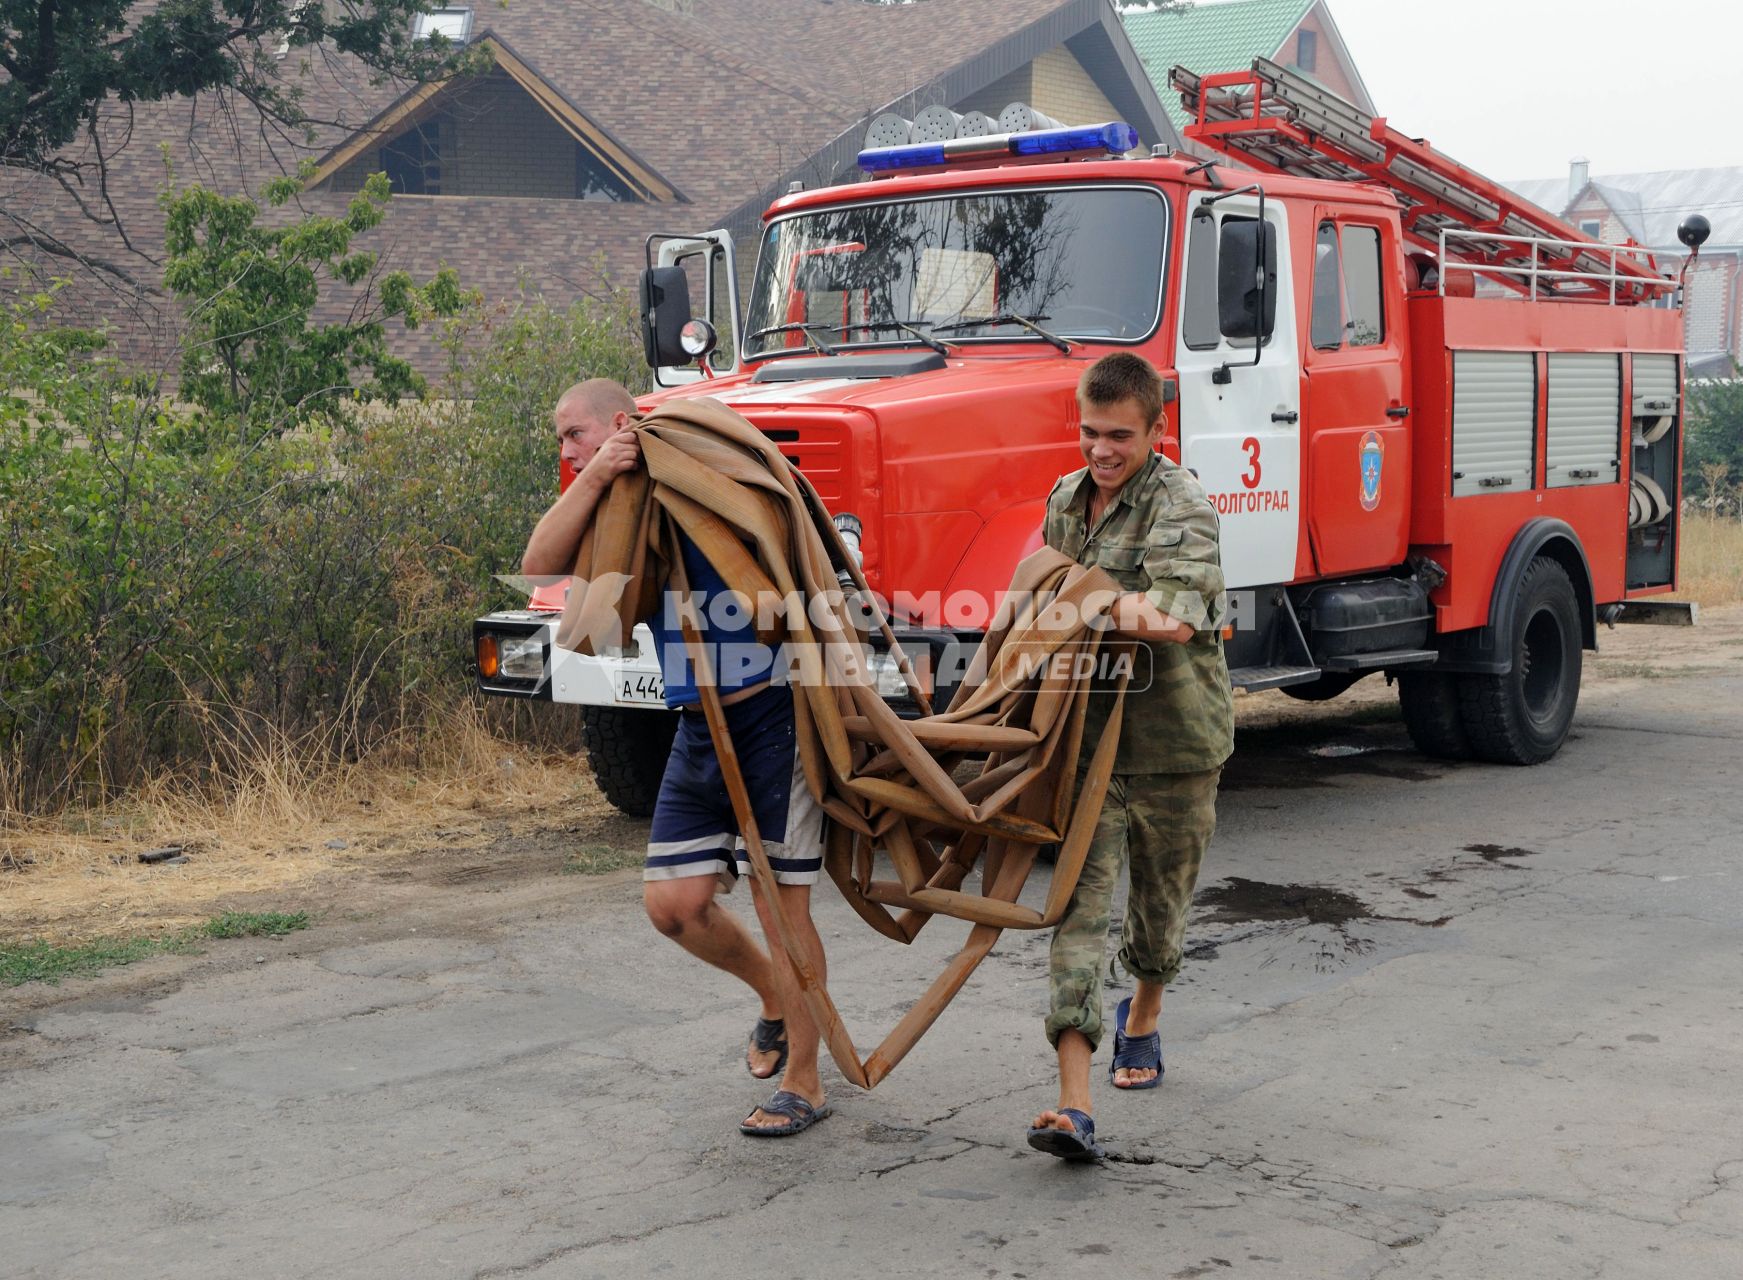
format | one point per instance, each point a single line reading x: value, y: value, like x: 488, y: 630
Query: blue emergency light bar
x: 1113, y: 138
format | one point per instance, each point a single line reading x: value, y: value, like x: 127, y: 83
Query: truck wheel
x: 628, y: 751
x: 1430, y: 701
x: 1523, y: 717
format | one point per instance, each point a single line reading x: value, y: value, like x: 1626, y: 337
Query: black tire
x: 1523, y: 717
x: 628, y: 751
x: 1430, y: 701
x: 1329, y: 685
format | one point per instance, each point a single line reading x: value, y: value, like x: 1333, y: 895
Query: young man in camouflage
x: 1146, y: 522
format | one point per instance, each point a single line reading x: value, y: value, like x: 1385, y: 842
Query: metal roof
x: 1208, y: 38
x: 1652, y: 204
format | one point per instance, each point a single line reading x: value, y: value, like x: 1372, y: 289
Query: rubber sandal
x: 1075, y: 1143
x: 1135, y: 1052
x: 769, y: 1035
x: 800, y: 1114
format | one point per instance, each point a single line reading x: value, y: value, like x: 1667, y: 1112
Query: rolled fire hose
x: 886, y: 784
x: 1647, y: 504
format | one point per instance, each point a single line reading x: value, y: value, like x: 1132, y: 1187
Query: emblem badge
x: 1373, y: 457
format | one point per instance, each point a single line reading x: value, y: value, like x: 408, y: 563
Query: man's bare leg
x: 686, y: 912
x: 1141, y: 1021
x: 801, y: 1075
x: 1074, y: 1056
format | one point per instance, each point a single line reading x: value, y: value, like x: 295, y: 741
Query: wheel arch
x: 1489, y: 649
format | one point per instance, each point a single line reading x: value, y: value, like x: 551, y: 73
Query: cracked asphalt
x: 1515, y: 1057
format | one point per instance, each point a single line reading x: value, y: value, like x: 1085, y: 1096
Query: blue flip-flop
x: 769, y: 1036
x: 801, y: 1115
x: 1075, y: 1143
x: 1135, y: 1052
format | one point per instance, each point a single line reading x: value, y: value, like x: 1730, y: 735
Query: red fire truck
x: 1442, y: 429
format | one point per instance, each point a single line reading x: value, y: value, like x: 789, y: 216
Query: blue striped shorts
x: 695, y: 832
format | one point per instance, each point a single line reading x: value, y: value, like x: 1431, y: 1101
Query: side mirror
x: 1245, y: 279
x: 665, y: 311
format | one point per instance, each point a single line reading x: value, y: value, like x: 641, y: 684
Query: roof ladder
x: 1278, y: 121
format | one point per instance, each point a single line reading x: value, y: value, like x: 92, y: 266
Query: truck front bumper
x: 514, y: 656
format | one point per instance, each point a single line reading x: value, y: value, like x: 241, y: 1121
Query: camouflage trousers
x: 1159, y: 824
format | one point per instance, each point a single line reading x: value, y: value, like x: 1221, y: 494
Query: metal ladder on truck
x: 1278, y: 121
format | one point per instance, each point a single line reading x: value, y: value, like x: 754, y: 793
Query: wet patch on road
x: 1237, y: 901
x: 1323, y: 917
x: 1300, y: 757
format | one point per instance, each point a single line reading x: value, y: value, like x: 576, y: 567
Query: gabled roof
x: 610, y: 151
x: 1208, y: 38
x: 1657, y: 202
x: 1226, y: 36
x: 729, y: 100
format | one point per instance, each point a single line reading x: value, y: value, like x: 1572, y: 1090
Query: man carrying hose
x: 1145, y: 521
x: 695, y: 850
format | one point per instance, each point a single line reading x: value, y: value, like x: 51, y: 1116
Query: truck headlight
x: 887, y: 676
x: 523, y: 657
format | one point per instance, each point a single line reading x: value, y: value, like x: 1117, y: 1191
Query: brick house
x: 603, y: 121
x: 1646, y: 209
x: 1227, y: 36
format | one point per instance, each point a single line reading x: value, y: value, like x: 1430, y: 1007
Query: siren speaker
x: 889, y: 130
x: 976, y: 124
x: 936, y: 124
x: 1020, y: 117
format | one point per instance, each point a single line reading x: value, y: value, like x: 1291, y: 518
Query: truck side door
x: 1356, y: 435
x: 1239, y: 422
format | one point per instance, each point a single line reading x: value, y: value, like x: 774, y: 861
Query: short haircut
x: 599, y: 398
x: 1123, y: 376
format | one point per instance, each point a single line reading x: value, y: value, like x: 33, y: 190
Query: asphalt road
x: 1437, y: 1022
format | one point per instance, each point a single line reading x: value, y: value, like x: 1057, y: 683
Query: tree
x: 253, y: 357
x: 64, y: 62
x: 1713, y: 447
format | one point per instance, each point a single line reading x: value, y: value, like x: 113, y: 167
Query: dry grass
x: 276, y: 822
x: 1712, y: 559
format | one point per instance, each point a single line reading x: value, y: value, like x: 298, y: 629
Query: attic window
x: 1592, y: 227
x: 454, y: 23
x: 1306, y: 49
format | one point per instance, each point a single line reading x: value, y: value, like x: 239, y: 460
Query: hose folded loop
x: 889, y: 786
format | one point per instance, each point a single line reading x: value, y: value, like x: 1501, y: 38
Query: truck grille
x: 820, y: 451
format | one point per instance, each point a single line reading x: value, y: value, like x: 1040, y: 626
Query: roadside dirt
x: 493, y: 859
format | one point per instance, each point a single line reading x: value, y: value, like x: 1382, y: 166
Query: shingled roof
x: 720, y: 104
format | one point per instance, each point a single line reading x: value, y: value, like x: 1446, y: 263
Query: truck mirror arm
x: 1224, y: 374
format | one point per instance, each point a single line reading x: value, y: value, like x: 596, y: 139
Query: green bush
x: 178, y: 585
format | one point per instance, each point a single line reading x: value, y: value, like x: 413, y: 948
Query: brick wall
x: 1612, y: 230
x: 1328, y: 69
x: 1710, y: 307
x: 1064, y: 90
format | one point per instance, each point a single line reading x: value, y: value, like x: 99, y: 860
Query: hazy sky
x: 1517, y: 89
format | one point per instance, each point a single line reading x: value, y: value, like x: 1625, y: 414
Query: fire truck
x: 1442, y: 429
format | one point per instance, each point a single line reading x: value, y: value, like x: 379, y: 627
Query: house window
x: 1591, y: 227
x: 453, y: 23
x: 413, y: 161
x: 593, y: 181
x: 1306, y: 49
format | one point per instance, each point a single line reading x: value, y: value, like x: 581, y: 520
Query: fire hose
x: 886, y: 784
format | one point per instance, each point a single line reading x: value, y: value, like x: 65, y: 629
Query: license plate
x: 640, y: 687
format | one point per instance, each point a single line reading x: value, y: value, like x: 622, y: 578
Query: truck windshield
x: 1080, y: 262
